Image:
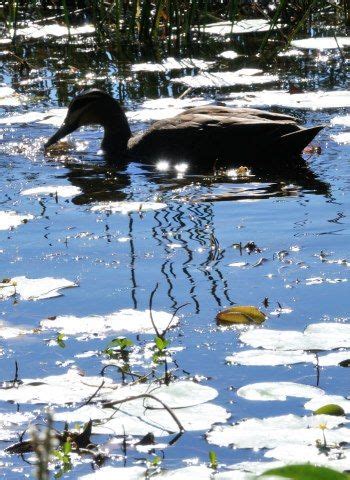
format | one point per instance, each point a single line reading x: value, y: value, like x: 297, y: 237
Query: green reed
x: 174, y: 20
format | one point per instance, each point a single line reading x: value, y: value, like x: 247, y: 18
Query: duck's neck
x: 116, y: 135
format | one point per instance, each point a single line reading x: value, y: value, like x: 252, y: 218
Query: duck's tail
x: 295, y: 142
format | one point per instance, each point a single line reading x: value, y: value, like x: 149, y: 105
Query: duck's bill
x: 63, y: 131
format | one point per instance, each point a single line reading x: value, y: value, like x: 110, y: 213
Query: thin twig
x: 339, y: 48
x: 150, y: 311
x: 147, y: 395
x: 172, y: 318
x: 94, y: 394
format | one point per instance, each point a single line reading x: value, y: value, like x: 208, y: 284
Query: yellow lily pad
x: 241, y: 314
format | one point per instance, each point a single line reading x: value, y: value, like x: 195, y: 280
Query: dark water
x: 172, y: 246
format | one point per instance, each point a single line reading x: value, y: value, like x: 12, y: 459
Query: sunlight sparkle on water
x: 162, y: 166
x: 181, y: 167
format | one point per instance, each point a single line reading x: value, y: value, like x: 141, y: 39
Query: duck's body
x: 199, y: 134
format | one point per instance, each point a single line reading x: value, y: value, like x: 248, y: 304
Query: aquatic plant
x: 178, y: 20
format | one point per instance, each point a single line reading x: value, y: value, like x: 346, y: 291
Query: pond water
x: 181, y: 233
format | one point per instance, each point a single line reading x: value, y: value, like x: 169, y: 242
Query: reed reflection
x: 185, y: 245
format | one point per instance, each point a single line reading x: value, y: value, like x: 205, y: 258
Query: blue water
x: 66, y: 239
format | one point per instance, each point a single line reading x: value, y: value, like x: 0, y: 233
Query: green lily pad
x: 303, y: 472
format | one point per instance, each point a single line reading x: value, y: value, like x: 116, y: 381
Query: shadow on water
x: 105, y: 182
x: 189, y: 216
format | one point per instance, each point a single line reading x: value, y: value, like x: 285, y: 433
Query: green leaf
x: 213, y: 460
x: 330, y: 409
x: 161, y: 343
x: 241, y: 314
x: 122, y: 343
x: 156, y: 461
x: 306, y: 472
x: 60, y: 341
x: 67, y: 447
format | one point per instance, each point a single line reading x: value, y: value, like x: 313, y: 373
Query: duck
x: 199, y: 134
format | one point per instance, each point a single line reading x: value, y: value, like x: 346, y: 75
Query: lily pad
x: 9, y: 97
x: 241, y: 314
x: 229, y: 54
x: 285, y: 357
x: 11, y: 424
x: 34, y: 288
x: 302, y: 472
x: 70, y: 387
x: 273, y: 391
x: 54, y: 30
x: 127, y: 207
x: 64, y: 191
x: 126, y: 320
x: 285, y: 430
x: 171, y: 63
x: 245, y: 76
x: 281, y: 98
x: 12, y: 219
x: 341, y: 120
x: 331, y: 456
x: 189, y: 402
x: 317, y: 336
x: 7, y: 331
x: 242, y: 26
x: 270, y: 357
x: 291, y: 52
x: 342, y: 137
x: 121, y: 473
x: 321, y: 43
x: 330, y: 409
x: 29, y: 117
x: 318, y: 402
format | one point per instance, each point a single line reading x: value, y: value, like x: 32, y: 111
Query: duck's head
x: 95, y: 107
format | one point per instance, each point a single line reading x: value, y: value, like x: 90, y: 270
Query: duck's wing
x: 248, y: 113
x: 201, y: 136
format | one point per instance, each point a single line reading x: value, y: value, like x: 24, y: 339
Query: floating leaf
x: 342, y: 137
x: 270, y: 357
x: 288, y: 431
x: 229, y: 54
x: 317, y: 336
x: 330, y: 409
x: 171, y: 64
x: 267, y: 391
x: 143, y: 415
x: 281, y: 98
x: 12, y: 219
x: 34, y: 288
x: 341, y: 120
x: 318, y: 402
x: 241, y: 314
x: 306, y: 472
x: 57, y: 389
x: 322, y: 43
x: 245, y: 76
x: 127, y: 207
x: 125, y: 320
x: 54, y: 30
x: 59, y: 190
x: 243, y: 26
